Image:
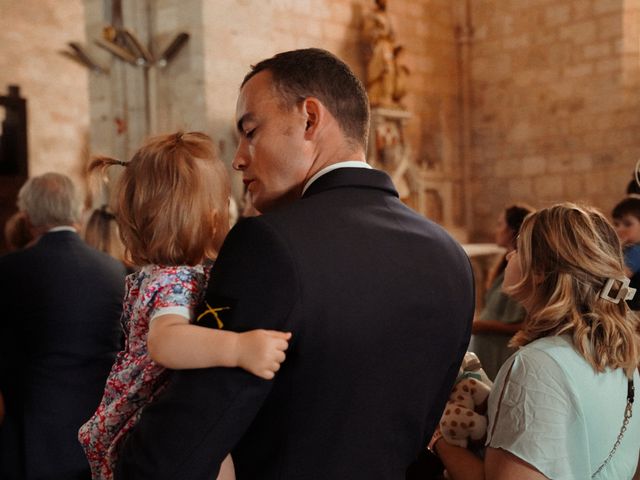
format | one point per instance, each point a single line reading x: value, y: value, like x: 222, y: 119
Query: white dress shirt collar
x: 334, y: 166
x: 62, y: 228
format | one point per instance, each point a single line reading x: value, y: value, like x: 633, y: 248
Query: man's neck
x: 342, y: 152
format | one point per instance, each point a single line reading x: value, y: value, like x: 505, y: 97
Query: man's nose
x: 240, y: 159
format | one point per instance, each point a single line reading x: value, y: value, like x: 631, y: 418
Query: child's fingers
x: 273, y: 343
x: 279, y: 357
x: 278, y: 334
x: 266, y: 374
x: 280, y: 345
x: 270, y: 370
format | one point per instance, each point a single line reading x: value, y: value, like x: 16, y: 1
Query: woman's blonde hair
x: 102, y: 233
x: 567, y: 253
x: 171, y: 200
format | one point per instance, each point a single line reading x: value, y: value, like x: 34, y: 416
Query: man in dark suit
x: 59, y: 334
x: 379, y: 301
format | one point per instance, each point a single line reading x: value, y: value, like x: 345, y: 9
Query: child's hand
x: 262, y: 351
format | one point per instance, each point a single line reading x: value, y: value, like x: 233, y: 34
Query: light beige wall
x: 239, y: 33
x: 56, y: 89
x: 555, y: 86
x: 197, y: 91
x: 556, y: 103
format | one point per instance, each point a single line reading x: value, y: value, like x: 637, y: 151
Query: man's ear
x: 314, y: 113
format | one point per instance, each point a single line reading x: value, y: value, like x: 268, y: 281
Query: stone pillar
x: 430, y: 188
x: 134, y: 101
x: 138, y: 99
x: 388, y: 149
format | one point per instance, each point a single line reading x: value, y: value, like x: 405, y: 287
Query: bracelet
x: 437, y: 435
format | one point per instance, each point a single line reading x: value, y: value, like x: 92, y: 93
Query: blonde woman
x: 102, y: 233
x: 561, y: 406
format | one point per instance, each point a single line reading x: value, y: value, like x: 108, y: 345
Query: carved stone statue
x: 386, y: 74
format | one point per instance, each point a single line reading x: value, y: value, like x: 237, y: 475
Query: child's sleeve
x: 177, y: 291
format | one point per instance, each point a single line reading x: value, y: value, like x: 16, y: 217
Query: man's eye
x: 249, y: 133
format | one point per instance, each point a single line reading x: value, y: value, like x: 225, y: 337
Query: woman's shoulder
x: 552, y: 359
x: 548, y: 391
x: 549, y: 346
x: 543, y: 359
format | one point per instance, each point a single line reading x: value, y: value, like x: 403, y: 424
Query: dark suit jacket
x: 61, y: 302
x: 380, y: 302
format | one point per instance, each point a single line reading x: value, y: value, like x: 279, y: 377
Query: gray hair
x: 49, y: 200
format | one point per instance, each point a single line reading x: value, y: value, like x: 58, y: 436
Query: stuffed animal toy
x: 462, y: 420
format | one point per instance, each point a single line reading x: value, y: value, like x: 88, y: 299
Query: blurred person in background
x: 501, y: 316
x: 102, y: 233
x: 16, y: 232
x: 626, y: 219
x: 59, y: 334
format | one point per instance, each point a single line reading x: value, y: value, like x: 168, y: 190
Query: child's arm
x: 175, y: 343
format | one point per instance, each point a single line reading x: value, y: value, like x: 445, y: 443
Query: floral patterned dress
x: 135, y: 379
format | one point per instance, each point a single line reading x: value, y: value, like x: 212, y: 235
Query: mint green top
x: 499, y: 306
x: 562, y: 417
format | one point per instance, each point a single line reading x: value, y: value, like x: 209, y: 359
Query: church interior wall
x: 553, y: 102
x: 31, y: 33
x: 234, y: 40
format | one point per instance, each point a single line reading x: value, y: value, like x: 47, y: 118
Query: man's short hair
x: 314, y: 72
x: 629, y: 206
x: 49, y: 200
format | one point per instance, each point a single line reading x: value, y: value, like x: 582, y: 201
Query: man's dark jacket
x: 60, y: 330
x: 380, y: 303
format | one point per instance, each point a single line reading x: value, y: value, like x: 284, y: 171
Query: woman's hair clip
x: 625, y: 292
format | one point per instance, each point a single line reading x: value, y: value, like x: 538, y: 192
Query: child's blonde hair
x: 172, y: 200
x: 567, y: 253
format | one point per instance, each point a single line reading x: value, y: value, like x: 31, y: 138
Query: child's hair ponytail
x: 102, y: 163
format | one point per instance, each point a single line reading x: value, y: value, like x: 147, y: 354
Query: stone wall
x: 198, y: 90
x: 555, y: 103
x: 239, y: 33
x: 549, y: 111
x: 31, y: 33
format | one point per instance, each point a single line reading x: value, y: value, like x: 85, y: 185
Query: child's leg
x: 226, y: 470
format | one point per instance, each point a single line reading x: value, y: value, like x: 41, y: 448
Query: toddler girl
x: 172, y: 209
